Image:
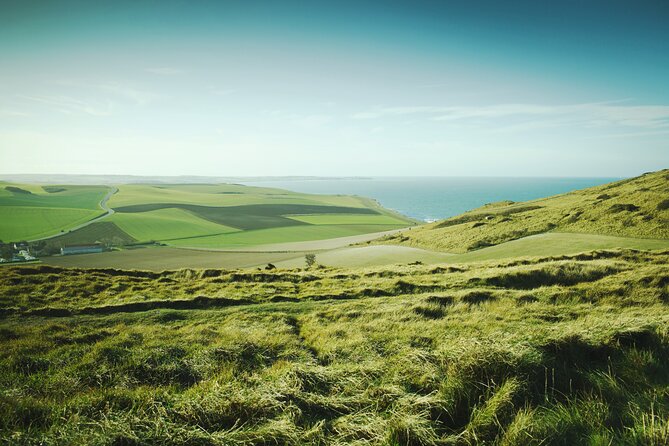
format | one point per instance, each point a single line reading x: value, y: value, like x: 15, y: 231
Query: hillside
x: 636, y: 207
x: 570, y: 350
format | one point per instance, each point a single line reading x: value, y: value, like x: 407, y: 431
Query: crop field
x: 197, y: 215
x: 252, y: 216
x: 280, y: 235
x: 348, y: 219
x: 222, y: 195
x: 569, y: 350
x: 166, y: 224
x: 28, y: 211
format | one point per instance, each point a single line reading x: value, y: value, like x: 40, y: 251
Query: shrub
x: 663, y: 205
x: 620, y: 207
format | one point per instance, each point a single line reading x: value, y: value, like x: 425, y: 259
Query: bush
x: 663, y: 205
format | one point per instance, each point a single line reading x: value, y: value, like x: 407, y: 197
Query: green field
x: 30, y: 212
x: 349, y: 219
x: 190, y: 215
x: 280, y: 235
x: 221, y: 195
x: 552, y: 351
x: 166, y: 224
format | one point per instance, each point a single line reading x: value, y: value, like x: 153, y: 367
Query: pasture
x: 29, y: 212
x: 190, y: 215
x: 166, y: 224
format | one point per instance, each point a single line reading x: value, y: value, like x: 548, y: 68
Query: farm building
x: 81, y: 249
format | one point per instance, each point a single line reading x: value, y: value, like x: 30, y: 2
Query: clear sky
x: 227, y: 88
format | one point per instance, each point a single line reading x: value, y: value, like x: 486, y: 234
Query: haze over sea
x: 435, y: 198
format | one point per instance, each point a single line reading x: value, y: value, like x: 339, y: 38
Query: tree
x: 6, y: 251
x: 310, y: 259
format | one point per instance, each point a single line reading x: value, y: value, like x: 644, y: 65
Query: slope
x: 637, y: 207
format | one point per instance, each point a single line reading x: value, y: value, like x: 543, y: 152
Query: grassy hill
x: 570, y: 350
x: 636, y: 207
x: 514, y: 340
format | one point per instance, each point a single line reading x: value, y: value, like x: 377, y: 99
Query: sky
x: 250, y: 88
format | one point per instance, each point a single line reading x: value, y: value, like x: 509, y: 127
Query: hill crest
x: 634, y: 207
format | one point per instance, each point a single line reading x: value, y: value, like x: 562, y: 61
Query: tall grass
x: 544, y: 351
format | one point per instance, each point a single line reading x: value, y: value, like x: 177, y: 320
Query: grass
x: 159, y: 258
x: 280, y: 235
x: 27, y: 223
x: 166, y: 224
x: 488, y: 346
x: 222, y: 195
x: 193, y: 215
x: 35, y: 212
x: 68, y: 197
x: 250, y: 216
x: 371, y: 256
x: 348, y: 219
x: 569, y: 350
x: 105, y: 232
x: 558, y: 243
x: 291, y: 255
x: 629, y: 208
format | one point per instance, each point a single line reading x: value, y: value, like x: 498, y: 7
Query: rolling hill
x: 188, y: 215
x: 31, y: 211
x: 632, y: 208
x: 552, y: 349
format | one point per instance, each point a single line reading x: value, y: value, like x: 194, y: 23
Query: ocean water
x: 435, y: 198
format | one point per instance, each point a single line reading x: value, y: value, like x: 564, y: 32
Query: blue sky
x: 485, y: 88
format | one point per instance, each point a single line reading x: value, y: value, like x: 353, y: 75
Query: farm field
x: 196, y: 215
x: 221, y: 195
x: 166, y: 224
x: 281, y: 235
x: 29, y: 211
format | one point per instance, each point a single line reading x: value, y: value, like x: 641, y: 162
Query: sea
x: 435, y: 198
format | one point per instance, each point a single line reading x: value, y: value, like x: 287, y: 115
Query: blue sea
x: 435, y: 198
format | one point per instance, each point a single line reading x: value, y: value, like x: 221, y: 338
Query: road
x: 103, y: 204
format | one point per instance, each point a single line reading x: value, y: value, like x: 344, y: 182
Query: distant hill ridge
x: 635, y: 207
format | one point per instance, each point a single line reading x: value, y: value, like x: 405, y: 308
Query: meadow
x: 29, y: 212
x: 189, y: 215
x: 557, y: 350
